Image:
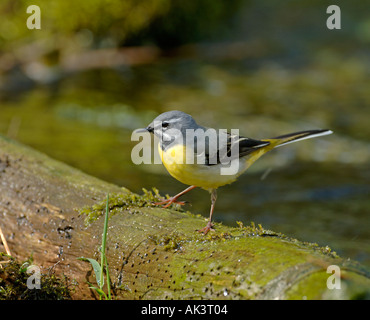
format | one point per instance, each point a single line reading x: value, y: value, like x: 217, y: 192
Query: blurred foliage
x: 189, y: 21
x: 108, y: 20
x: 167, y: 23
x: 115, y: 22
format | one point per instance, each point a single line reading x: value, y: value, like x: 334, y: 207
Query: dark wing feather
x: 245, y: 146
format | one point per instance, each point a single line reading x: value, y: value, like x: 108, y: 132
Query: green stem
x: 103, y: 245
x: 108, y: 279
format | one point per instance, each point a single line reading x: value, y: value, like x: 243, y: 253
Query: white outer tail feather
x: 307, y: 137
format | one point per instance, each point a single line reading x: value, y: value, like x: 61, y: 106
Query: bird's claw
x: 166, y: 203
x: 207, y: 228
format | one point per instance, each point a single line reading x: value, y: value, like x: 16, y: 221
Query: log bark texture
x: 154, y: 253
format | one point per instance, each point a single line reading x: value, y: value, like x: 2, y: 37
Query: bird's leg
x: 209, y: 225
x: 173, y: 199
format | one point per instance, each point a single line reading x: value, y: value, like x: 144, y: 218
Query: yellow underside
x: 206, y: 177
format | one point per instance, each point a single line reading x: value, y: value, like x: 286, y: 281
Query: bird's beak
x: 147, y: 129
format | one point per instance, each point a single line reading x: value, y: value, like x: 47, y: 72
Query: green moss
x: 229, y: 263
x: 204, y: 267
x: 13, y: 283
x: 259, y: 231
x: 314, y: 286
x: 124, y: 201
x: 208, y: 269
x: 172, y: 241
x: 165, y: 258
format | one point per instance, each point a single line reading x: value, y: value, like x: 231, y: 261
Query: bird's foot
x: 166, y: 203
x: 207, y: 228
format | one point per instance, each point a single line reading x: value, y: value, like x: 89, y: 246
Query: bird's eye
x: 165, y: 124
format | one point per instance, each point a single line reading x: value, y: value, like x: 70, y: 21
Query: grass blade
x: 103, y: 245
x: 97, y: 269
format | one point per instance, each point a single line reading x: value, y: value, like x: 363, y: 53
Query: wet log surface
x: 153, y: 253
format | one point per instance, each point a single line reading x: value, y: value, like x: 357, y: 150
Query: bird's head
x: 170, y: 125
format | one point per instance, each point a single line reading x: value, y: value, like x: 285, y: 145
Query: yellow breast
x: 206, y: 177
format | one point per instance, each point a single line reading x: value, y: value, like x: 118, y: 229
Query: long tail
x: 298, y: 136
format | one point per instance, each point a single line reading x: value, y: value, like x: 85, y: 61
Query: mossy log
x: 153, y: 253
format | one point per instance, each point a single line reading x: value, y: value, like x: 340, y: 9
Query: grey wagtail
x: 172, y: 127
